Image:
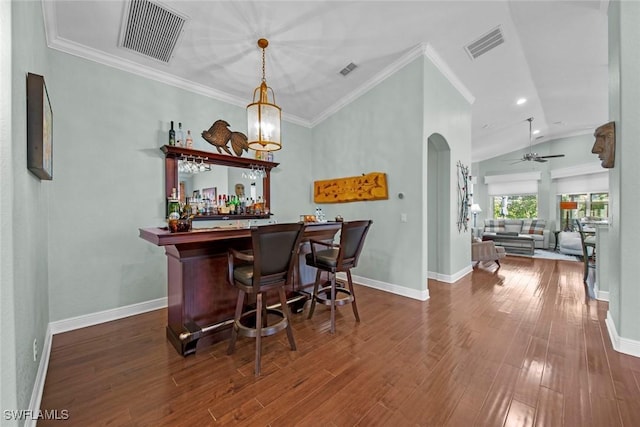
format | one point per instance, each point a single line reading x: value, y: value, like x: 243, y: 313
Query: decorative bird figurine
x: 219, y: 135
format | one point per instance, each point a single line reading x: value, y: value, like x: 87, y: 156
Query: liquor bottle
x: 232, y: 205
x: 180, y: 136
x: 189, y: 140
x: 186, y: 211
x: 172, y: 135
x: 173, y: 207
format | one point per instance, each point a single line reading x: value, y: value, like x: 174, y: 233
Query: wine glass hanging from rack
x: 255, y: 172
x: 193, y: 164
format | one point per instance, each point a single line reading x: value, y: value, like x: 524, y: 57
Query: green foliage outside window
x: 591, y: 206
x: 517, y: 206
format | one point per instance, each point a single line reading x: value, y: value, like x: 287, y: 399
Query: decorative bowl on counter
x: 179, y: 225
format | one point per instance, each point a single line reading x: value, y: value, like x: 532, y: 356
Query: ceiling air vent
x: 485, y: 43
x: 151, y: 30
x: 349, y: 68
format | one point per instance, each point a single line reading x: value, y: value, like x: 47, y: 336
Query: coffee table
x: 523, y: 245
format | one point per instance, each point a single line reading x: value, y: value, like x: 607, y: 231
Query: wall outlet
x: 403, y: 217
x: 35, y: 349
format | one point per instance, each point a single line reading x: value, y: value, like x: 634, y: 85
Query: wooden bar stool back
x: 588, y: 241
x: 335, y: 258
x: 268, y: 267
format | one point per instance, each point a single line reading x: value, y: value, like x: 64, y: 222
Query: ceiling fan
x: 534, y: 157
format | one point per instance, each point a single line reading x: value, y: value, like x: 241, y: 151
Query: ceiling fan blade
x: 551, y: 156
x: 540, y: 160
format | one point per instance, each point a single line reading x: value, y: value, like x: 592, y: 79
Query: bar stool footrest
x: 324, y: 296
x: 251, y: 331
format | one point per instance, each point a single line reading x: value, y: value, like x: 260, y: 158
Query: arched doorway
x: 438, y: 213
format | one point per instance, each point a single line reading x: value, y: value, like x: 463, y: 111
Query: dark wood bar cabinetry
x: 200, y: 300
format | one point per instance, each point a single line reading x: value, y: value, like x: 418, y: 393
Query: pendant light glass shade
x: 263, y: 115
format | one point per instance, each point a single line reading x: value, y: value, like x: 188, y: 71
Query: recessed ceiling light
x: 535, y: 132
x: 521, y: 101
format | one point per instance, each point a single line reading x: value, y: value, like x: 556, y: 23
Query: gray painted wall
x: 386, y: 130
x: 8, y: 371
x: 446, y: 114
x: 110, y: 127
x: 25, y: 214
x: 381, y: 131
x: 625, y: 110
x: 615, y: 173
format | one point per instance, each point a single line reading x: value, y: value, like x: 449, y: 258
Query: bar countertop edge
x: 161, y: 236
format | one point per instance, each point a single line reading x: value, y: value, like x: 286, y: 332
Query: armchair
x: 486, y: 251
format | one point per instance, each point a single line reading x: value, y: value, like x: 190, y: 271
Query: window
x: 599, y: 206
x: 515, y: 206
x: 590, y: 207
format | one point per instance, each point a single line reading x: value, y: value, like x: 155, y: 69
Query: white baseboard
x: 83, y: 321
x: 77, y: 323
x: 622, y: 345
x: 451, y: 278
x: 41, y: 376
x: 602, y: 295
x: 421, y: 295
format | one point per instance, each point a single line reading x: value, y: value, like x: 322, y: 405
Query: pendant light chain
x: 263, y: 65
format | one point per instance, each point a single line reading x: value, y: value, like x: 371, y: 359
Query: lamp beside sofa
x: 536, y: 229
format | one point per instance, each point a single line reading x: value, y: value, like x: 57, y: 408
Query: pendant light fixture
x: 263, y: 115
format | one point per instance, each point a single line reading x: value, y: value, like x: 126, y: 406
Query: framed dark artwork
x: 39, y: 128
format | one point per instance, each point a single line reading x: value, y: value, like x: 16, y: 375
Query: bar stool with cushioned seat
x: 268, y: 267
x: 341, y: 257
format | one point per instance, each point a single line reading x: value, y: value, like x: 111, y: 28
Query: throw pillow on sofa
x: 494, y: 225
x: 533, y: 226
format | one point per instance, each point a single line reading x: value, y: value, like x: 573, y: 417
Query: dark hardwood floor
x: 519, y: 346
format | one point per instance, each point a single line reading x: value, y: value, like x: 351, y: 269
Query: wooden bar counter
x: 201, y: 302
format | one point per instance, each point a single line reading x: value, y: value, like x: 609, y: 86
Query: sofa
x: 570, y: 243
x: 537, y: 229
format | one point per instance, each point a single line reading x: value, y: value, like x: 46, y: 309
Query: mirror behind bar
x: 172, y: 175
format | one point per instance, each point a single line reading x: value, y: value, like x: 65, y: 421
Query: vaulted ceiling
x: 554, y: 54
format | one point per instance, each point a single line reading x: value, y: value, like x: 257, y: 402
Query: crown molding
x: 412, y: 54
x: 446, y: 71
x: 423, y: 49
x: 54, y: 41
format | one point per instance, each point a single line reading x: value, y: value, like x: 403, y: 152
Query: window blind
x: 513, y: 183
